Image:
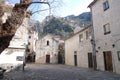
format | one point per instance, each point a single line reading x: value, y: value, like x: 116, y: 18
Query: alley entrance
x: 60, y: 58
x: 75, y: 60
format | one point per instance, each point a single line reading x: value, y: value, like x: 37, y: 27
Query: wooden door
x: 47, y: 58
x: 90, y: 60
x: 75, y: 60
x: 108, y: 60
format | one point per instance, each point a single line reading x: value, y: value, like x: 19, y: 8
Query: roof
x: 78, y: 32
x: 92, y: 3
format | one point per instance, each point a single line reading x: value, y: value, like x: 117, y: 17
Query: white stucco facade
x: 110, y: 41
x: 79, y: 47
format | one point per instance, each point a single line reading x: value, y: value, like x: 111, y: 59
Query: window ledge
x: 107, y: 33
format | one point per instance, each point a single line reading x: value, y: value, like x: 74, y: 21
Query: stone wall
x: 110, y: 41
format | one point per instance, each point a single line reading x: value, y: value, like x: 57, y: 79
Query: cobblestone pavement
x: 58, y: 72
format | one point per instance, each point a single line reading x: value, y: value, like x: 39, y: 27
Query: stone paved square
x: 58, y: 72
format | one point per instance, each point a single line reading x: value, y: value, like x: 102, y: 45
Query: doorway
x: 108, y: 60
x: 90, y: 60
x: 60, y: 60
x: 75, y: 60
x: 47, y: 58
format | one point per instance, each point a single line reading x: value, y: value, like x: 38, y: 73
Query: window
x: 19, y: 58
x: 106, y: 5
x: 118, y: 52
x: 47, y: 43
x: 28, y: 43
x: 80, y: 37
x: 75, y: 52
x: 106, y: 29
x: 29, y: 37
x: 87, y: 34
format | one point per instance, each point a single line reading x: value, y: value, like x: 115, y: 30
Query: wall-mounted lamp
x: 99, y: 47
x: 113, y: 45
x: 96, y: 51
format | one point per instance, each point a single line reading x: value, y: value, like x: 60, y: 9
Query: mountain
x: 57, y: 26
x: 35, y: 25
x: 81, y: 20
x: 64, y: 26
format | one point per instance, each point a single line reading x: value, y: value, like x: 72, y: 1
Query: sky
x: 67, y: 7
x: 75, y: 7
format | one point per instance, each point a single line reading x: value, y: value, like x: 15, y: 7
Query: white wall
x: 71, y: 45
x: 83, y: 48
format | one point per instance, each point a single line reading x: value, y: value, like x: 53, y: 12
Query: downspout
x: 93, y: 45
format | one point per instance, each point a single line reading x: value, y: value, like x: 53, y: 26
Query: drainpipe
x: 93, y: 46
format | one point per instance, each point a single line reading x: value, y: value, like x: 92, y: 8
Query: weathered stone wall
x: 42, y: 49
x: 108, y: 42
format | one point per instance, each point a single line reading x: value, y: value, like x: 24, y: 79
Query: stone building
x: 47, y: 49
x: 32, y: 38
x: 78, y: 49
x: 33, y: 31
x: 106, y: 26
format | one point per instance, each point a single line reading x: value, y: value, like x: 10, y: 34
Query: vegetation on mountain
x: 81, y: 20
x: 56, y: 26
x: 66, y: 25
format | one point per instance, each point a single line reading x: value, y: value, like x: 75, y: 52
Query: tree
x: 19, y: 12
